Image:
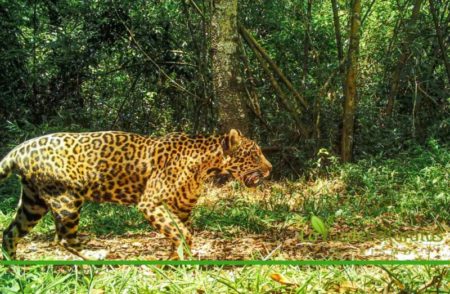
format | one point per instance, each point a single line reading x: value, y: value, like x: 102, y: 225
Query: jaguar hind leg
x: 30, y: 210
x: 168, y: 224
x: 66, y: 210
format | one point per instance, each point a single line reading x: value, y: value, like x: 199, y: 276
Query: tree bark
x: 227, y: 81
x: 404, y: 53
x: 350, y: 88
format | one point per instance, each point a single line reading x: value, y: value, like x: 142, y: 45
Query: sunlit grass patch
x: 196, y: 279
x: 106, y: 218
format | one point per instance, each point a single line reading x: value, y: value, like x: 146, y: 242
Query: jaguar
x: 162, y: 176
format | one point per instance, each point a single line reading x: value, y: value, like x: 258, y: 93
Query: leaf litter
x: 244, y: 246
x: 285, y: 241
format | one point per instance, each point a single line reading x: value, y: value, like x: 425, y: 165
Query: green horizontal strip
x: 225, y: 262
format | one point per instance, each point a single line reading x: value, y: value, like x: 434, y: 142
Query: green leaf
x: 319, y: 226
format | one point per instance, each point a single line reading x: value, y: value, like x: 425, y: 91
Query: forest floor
x: 214, y: 246
x: 224, y: 228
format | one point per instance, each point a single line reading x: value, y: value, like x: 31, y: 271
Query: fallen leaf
x: 399, y: 284
x: 281, y: 279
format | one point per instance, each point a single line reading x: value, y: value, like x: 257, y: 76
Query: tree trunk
x: 350, y: 88
x: 404, y: 53
x: 227, y: 81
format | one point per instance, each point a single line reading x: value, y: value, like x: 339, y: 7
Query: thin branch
x: 369, y: 9
x: 337, y: 33
x: 197, y: 8
x: 131, y: 33
x: 251, y: 93
x: 435, y: 281
x: 325, y: 85
x: 405, y: 52
x: 249, y: 39
x: 440, y: 38
x: 178, y: 63
x: 280, y: 93
x: 427, y: 95
x: 119, y: 111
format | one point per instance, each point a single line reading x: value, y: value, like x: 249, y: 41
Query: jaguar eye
x: 256, y: 158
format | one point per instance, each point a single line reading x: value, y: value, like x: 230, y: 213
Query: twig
x: 253, y: 101
x: 393, y: 278
x: 249, y: 38
x: 427, y: 95
x: 119, y: 111
x: 367, y: 12
x: 280, y: 93
x: 197, y: 8
x: 178, y: 63
x: 436, y: 280
x: 130, y: 32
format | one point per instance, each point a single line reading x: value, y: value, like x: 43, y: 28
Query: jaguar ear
x: 235, y: 138
x: 231, y: 141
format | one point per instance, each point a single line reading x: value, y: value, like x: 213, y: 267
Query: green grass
x: 99, y: 219
x: 414, y: 185
x: 383, y: 194
x: 196, y: 279
x: 102, y: 219
x: 241, y: 215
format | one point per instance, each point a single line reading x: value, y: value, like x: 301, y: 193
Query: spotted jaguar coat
x: 162, y: 176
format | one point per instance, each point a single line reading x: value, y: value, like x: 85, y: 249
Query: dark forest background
x: 145, y: 66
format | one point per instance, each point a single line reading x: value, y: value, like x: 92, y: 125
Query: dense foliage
x: 71, y: 64
x: 144, y: 66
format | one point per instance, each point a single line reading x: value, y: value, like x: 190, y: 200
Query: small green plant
x: 319, y: 226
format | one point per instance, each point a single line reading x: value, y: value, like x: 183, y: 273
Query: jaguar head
x: 243, y: 159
